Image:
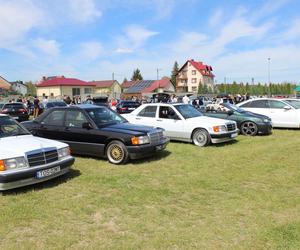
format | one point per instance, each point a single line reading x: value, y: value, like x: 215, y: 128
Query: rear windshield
x: 131, y: 104
x: 55, y: 104
x: 14, y: 105
x: 9, y: 127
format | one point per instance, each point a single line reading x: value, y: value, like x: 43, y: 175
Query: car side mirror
x: 87, y: 125
x: 230, y: 112
x: 287, y: 107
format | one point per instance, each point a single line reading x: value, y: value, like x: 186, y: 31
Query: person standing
x: 36, y: 107
x: 186, y: 99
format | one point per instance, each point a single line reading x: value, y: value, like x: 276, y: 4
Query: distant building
x: 110, y: 88
x: 193, y: 73
x: 19, y: 87
x: 146, y: 87
x: 58, y: 86
x: 126, y: 85
x: 5, y: 86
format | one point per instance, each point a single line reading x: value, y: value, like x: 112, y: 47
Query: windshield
x: 188, y: 111
x: 233, y: 107
x: 103, y: 116
x: 56, y: 104
x: 294, y: 103
x: 9, y: 127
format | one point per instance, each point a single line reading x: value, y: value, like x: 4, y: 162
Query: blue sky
x: 91, y: 39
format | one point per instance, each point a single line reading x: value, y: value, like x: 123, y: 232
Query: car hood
x: 15, y: 146
x: 248, y: 113
x: 128, y: 128
x: 208, y: 121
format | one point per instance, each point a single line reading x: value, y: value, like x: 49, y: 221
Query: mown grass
x: 243, y: 195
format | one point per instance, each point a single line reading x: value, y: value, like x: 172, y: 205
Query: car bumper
x: 265, y: 128
x: 142, y: 151
x: 27, y: 176
x: 219, y: 138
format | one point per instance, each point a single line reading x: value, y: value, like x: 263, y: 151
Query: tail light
x: 4, y: 111
x: 123, y: 109
x: 23, y: 110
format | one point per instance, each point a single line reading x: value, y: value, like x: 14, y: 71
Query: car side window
x: 55, y: 118
x: 276, y: 104
x: 263, y: 104
x: 246, y: 105
x: 149, y: 111
x: 75, y: 118
x: 166, y: 112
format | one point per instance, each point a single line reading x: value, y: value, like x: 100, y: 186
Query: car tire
x: 249, y: 128
x: 117, y: 153
x: 201, y: 138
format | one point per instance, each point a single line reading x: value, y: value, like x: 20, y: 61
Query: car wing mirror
x: 230, y: 112
x: 87, y: 125
x: 287, y: 107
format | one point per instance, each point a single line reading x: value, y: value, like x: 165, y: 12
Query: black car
x: 98, y: 131
x: 99, y: 101
x: 16, y: 110
x: 124, y: 107
x: 52, y: 104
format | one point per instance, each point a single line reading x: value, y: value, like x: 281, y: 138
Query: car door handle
x: 159, y: 120
x: 137, y: 118
x: 67, y: 129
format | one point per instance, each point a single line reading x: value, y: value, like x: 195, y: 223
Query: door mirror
x: 287, y: 107
x: 87, y: 125
x: 230, y: 112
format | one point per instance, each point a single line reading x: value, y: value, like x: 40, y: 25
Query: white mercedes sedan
x: 284, y: 113
x: 25, y: 159
x: 183, y: 122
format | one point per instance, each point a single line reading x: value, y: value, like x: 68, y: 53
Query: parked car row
x: 38, y: 150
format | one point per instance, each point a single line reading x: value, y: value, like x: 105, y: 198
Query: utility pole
x: 157, y: 77
x: 269, y: 75
x: 113, y: 76
x: 225, y: 84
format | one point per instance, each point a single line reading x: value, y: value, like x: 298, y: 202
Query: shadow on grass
x: 73, y: 173
x: 222, y: 144
x: 156, y: 157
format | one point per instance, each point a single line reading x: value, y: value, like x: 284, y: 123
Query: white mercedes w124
x: 183, y: 122
x: 25, y: 159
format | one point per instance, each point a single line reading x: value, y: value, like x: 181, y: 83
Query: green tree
x: 31, y: 88
x: 174, y: 73
x: 136, y: 75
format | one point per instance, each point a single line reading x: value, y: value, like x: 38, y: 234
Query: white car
x: 25, y: 159
x: 283, y: 113
x: 184, y: 123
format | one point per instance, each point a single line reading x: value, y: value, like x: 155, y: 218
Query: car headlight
x: 218, y: 129
x: 63, y: 152
x: 13, y: 163
x: 138, y: 140
x: 266, y: 120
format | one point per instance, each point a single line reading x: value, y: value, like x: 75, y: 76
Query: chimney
x: 44, y: 78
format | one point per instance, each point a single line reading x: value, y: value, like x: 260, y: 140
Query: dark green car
x: 248, y: 123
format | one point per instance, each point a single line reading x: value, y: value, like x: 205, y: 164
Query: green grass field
x: 243, y: 195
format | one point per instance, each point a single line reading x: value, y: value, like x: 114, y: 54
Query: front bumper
x: 146, y: 150
x: 219, y: 138
x: 265, y: 128
x: 24, y: 177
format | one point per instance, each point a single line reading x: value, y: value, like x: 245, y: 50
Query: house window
x: 194, y: 80
x: 88, y: 90
x: 194, y: 89
x: 193, y: 72
x: 75, y: 91
x: 183, y: 81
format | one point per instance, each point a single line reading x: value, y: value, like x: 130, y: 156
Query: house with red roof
x: 147, y: 87
x: 193, y: 73
x: 127, y: 84
x: 59, y: 86
x: 110, y: 88
x: 5, y: 86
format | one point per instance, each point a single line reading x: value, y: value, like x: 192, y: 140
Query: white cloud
x: 17, y: 18
x: 293, y: 32
x: 135, y: 36
x: 91, y: 50
x: 124, y: 50
x: 49, y: 47
x: 84, y: 11
x: 215, y: 19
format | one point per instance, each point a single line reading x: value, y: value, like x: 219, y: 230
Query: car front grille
x: 231, y: 126
x: 41, y: 157
x: 156, y: 137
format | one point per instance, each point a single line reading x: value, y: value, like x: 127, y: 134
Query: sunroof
x: 139, y: 86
